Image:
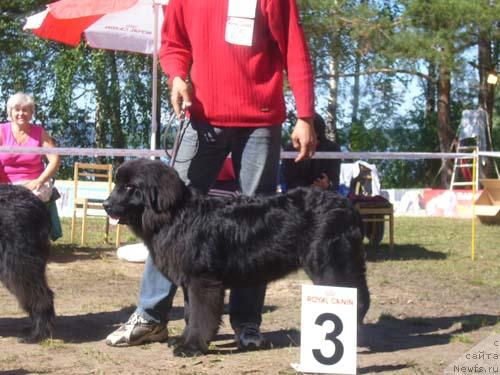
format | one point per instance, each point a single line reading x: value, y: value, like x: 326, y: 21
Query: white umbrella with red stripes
x: 119, y: 25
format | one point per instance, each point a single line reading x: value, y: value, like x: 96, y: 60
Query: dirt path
x: 416, y: 325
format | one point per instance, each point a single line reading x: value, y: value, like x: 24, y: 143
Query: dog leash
x: 178, y: 138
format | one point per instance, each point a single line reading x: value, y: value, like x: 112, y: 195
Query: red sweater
x: 236, y: 85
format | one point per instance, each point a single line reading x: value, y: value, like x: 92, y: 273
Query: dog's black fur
x: 207, y: 244
x: 24, y: 249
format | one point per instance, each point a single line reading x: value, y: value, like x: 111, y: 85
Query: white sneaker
x: 136, y: 331
x: 136, y: 253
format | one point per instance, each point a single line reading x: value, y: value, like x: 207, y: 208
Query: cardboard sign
x: 328, y: 338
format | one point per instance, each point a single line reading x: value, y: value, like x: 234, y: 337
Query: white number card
x: 242, y: 8
x: 239, y: 31
x: 328, y: 337
x: 240, y: 22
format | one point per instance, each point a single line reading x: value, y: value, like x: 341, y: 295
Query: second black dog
x: 24, y: 249
x: 207, y: 244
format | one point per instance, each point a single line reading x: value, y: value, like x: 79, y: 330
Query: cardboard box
x: 488, y: 203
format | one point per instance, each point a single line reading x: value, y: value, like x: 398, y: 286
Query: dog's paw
x: 187, y: 351
x: 30, y: 336
x: 30, y: 339
x: 175, y: 341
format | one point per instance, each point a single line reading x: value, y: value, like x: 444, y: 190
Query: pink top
x: 21, y: 167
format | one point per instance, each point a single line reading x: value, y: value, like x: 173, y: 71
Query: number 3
x: 331, y: 336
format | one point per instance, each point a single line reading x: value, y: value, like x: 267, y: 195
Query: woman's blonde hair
x: 20, y: 98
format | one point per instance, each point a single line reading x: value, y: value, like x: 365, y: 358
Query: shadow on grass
x: 391, y: 334
x: 382, y: 368
x: 67, y: 253
x: 273, y: 340
x: 75, y: 328
x: 387, y: 335
x: 404, y: 252
x: 93, y: 326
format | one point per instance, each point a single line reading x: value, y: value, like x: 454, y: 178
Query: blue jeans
x: 256, y: 154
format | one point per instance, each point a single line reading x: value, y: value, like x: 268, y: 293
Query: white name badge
x: 328, y: 337
x: 239, y: 31
x: 242, y: 8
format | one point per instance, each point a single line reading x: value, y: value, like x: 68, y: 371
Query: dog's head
x: 146, y: 195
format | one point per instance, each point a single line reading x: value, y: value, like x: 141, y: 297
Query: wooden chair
x: 373, y: 212
x: 378, y: 214
x: 85, y: 172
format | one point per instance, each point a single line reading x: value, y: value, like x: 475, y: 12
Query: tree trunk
x: 102, y: 108
x: 430, y: 121
x: 445, y: 131
x: 486, y: 92
x: 356, y: 87
x: 118, y: 139
x: 430, y: 93
x: 356, y: 90
x: 331, y: 118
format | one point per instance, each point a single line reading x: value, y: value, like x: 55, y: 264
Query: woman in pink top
x: 26, y: 169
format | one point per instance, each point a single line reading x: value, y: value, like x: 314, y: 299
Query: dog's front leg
x: 179, y: 340
x: 206, y: 303
x: 345, y: 279
x: 186, y: 304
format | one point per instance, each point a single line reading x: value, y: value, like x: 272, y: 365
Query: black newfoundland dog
x: 207, y: 244
x: 24, y: 249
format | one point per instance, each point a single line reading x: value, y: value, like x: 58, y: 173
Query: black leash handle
x: 178, y: 138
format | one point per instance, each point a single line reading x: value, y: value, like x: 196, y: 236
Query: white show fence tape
x: 491, y: 154
x: 74, y: 151
x: 382, y: 155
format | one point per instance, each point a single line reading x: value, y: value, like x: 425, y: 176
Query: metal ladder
x: 473, y: 149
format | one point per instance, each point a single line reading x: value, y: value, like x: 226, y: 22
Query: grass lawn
x: 432, y: 248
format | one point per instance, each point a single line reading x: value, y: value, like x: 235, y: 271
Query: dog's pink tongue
x: 113, y: 220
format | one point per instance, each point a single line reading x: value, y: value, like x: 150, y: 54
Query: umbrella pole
x: 154, y: 95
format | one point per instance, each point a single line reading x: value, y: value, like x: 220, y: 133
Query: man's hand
x: 304, y: 138
x: 181, y: 95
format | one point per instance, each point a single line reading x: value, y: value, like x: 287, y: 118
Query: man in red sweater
x: 225, y: 60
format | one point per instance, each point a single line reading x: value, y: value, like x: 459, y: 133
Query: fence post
x: 474, y: 186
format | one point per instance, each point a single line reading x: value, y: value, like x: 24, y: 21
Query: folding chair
x: 373, y: 213
x: 86, y: 172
